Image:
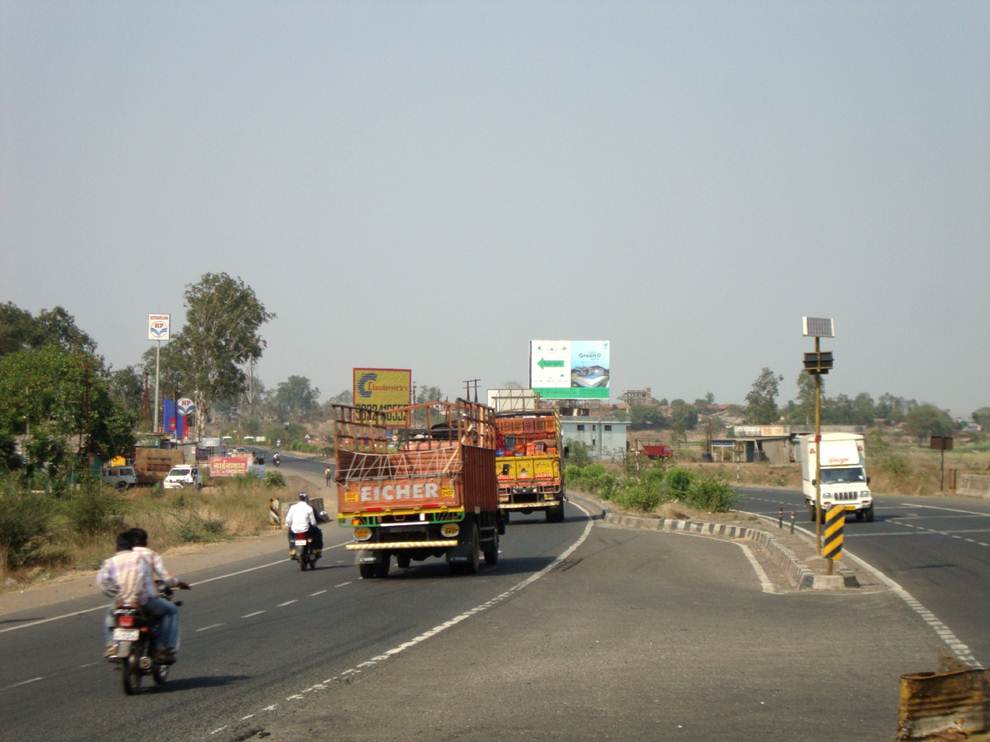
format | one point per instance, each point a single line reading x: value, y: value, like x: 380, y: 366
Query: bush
x: 93, y: 509
x: 25, y: 520
x: 577, y: 453
x: 196, y: 529
x: 608, y: 483
x: 273, y: 479
x: 710, y: 493
x: 637, y: 497
x: 679, y: 482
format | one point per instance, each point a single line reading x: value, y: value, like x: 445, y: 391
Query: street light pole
x: 818, y: 453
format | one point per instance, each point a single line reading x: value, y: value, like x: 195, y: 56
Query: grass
x: 42, y: 535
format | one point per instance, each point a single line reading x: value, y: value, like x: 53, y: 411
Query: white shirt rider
x: 300, y: 517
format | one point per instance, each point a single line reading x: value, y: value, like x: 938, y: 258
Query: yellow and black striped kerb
x: 835, y: 522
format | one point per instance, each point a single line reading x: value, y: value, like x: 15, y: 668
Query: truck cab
x: 844, y: 480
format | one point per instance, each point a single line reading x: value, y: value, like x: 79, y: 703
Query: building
x: 605, y: 438
x: 638, y: 396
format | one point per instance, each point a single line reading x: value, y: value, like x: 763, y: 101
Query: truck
x: 530, y: 476
x: 843, y: 473
x: 417, y: 492
x: 152, y: 465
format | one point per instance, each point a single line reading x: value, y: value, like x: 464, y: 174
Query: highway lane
x: 250, y: 641
x: 936, y: 548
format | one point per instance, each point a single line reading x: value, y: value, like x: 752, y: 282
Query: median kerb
x: 800, y: 575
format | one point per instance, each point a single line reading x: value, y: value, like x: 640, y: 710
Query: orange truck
x: 527, y: 464
x: 427, y: 490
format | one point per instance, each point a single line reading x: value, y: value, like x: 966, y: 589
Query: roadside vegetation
x: 47, y: 532
x: 644, y: 489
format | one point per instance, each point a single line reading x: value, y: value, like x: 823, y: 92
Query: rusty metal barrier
x: 945, y: 706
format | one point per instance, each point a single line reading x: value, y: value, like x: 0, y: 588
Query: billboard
x: 570, y: 369
x: 229, y: 466
x: 382, y: 389
x: 158, y: 326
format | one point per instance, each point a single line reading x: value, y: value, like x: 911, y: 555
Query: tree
x: 683, y: 417
x: 761, y: 402
x: 982, y: 417
x: 19, y: 330
x: 223, y: 316
x: 295, y: 399
x: 60, y: 401
x: 926, y: 420
x: 428, y: 394
x: 126, y: 387
x: 646, y: 414
x: 802, y: 412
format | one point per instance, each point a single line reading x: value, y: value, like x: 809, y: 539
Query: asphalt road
x: 936, y: 548
x: 250, y: 640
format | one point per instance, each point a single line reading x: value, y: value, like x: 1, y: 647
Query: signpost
x: 816, y: 364
x: 835, y: 523
x: 158, y: 330
x: 942, y: 443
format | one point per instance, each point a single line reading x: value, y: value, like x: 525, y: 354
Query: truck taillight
x: 355, y: 521
x: 362, y: 534
x: 450, y: 530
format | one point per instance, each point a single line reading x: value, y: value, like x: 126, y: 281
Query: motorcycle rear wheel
x: 160, y: 674
x: 130, y: 672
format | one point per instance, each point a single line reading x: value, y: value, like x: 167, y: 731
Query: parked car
x: 120, y: 477
x: 183, y: 476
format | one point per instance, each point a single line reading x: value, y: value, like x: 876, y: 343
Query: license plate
x: 300, y: 542
x: 126, y: 635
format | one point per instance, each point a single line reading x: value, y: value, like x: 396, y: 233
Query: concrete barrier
x: 977, y: 485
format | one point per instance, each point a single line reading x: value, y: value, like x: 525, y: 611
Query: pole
x: 941, y: 476
x: 818, y: 454
x: 158, y: 351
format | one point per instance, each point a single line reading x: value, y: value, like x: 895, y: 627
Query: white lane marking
x: 948, y: 510
x: 758, y: 568
x: 107, y: 605
x: 522, y: 585
x: 23, y: 682
x: 90, y: 664
x: 218, y: 730
x: 211, y: 626
x: 247, y: 716
x: 342, y: 584
x: 252, y: 615
x: 962, y: 652
x: 318, y: 592
x: 288, y: 602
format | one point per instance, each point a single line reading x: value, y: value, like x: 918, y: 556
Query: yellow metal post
x: 818, y: 453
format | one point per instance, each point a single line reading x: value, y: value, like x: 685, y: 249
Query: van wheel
x: 811, y: 513
x: 869, y: 515
x: 859, y: 516
x: 121, y: 486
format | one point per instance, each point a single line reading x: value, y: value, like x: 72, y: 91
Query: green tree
x: 60, y: 401
x: 428, y: 394
x: 646, y: 414
x: 802, y: 411
x: 683, y: 417
x: 19, y: 330
x: 296, y: 399
x: 926, y: 420
x: 761, y: 402
x: 223, y: 317
x: 982, y: 417
x: 126, y: 387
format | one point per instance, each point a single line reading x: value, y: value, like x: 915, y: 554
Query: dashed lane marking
x: 948, y: 510
x: 211, y: 626
x: 23, y: 682
x: 318, y: 592
x: 288, y: 602
x: 522, y: 585
x: 344, y: 584
x: 252, y: 615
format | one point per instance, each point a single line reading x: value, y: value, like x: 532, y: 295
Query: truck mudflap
x: 389, y: 545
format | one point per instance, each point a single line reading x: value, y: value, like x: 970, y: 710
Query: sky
x: 431, y: 185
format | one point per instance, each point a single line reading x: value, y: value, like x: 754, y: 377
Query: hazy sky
x: 433, y: 184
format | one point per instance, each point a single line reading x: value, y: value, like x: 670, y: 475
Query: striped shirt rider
x: 127, y: 577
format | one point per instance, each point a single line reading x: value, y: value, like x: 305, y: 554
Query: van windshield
x: 843, y: 475
x: 179, y: 470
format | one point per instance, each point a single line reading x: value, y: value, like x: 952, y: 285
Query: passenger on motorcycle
x: 301, y: 518
x: 157, y: 605
x: 126, y: 577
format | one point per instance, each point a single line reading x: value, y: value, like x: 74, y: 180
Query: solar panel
x: 818, y: 327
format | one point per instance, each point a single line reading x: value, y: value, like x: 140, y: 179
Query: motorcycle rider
x: 123, y: 570
x: 156, y: 605
x: 276, y: 458
x: 301, y: 518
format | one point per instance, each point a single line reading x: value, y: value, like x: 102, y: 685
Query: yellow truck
x: 527, y: 464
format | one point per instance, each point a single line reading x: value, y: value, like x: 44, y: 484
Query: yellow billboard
x: 382, y: 389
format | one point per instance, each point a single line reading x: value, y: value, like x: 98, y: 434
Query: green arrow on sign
x: 543, y: 363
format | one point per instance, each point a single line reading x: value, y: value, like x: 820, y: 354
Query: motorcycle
x: 303, y: 551
x: 277, y: 460
x: 136, y: 635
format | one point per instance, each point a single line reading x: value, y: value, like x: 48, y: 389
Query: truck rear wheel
x: 367, y: 571
x: 491, y: 553
x: 556, y: 514
x: 381, y: 566
x: 474, y: 558
x: 402, y: 561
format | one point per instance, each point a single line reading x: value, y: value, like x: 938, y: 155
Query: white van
x: 183, y: 475
x: 120, y: 477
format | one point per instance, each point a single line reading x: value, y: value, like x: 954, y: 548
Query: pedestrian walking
x: 328, y: 475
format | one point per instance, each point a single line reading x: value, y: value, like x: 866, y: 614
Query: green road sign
x: 543, y: 363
